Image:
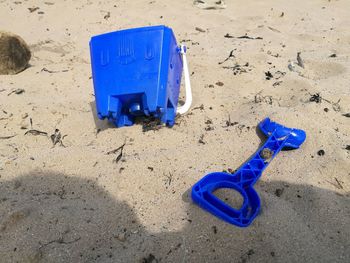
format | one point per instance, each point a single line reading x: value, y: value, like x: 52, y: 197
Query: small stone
x: 279, y: 192
x: 24, y: 126
x: 18, y: 91
x: 321, y: 152
x: 150, y: 259
x: 219, y: 83
x: 121, y: 237
x: 266, y: 154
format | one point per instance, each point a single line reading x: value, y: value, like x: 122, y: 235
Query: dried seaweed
x: 117, y: 150
x: 36, y: 132
x: 231, y: 55
x: 16, y: 91
x: 251, y: 38
x: 7, y: 137
x: 57, y: 138
x: 151, y: 124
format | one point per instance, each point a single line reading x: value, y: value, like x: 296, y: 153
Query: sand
x: 74, y: 203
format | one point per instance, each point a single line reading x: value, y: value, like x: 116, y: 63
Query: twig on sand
x: 231, y: 55
x: 7, y: 137
x: 201, y: 139
x: 60, y: 240
x: 169, y: 178
x: 318, y: 99
x: 340, y: 185
x: 251, y: 38
x: 35, y: 132
x: 243, y: 37
x: 229, y: 123
x: 16, y: 91
x: 300, y: 60
x: 201, y: 107
x: 337, y: 185
x: 116, y: 150
x: 120, y: 150
x: 57, y: 138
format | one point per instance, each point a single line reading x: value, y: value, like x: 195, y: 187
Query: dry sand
x: 75, y: 204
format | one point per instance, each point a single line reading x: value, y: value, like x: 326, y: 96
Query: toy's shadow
x: 50, y: 217
x: 100, y: 125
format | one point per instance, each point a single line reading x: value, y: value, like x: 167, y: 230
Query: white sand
x: 74, y: 204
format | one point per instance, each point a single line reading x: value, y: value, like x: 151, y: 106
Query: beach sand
x: 74, y: 203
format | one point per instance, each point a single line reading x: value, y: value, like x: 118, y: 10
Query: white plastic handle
x: 184, y: 108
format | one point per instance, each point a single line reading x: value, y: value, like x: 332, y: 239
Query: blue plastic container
x: 136, y: 72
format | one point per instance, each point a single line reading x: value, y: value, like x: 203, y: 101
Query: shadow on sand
x: 56, y: 218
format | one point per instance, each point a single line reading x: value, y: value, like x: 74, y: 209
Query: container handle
x: 186, y: 106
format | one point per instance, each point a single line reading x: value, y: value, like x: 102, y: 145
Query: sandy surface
x: 76, y: 204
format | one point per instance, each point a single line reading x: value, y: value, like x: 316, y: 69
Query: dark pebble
x: 279, y: 192
x: 268, y: 75
x: 321, y: 152
x: 150, y: 259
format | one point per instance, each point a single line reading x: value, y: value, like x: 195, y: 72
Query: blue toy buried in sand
x: 243, y: 180
x: 137, y: 72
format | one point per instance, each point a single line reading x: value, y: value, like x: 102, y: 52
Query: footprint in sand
x: 317, y: 70
x: 308, y: 67
x: 14, y: 218
x: 293, y: 92
x: 290, y: 93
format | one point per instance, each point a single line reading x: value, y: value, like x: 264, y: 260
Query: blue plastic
x: 136, y: 72
x: 243, y: 180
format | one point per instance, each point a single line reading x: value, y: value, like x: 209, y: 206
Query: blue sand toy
x: 243, y: 180
x: 137, y: 72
